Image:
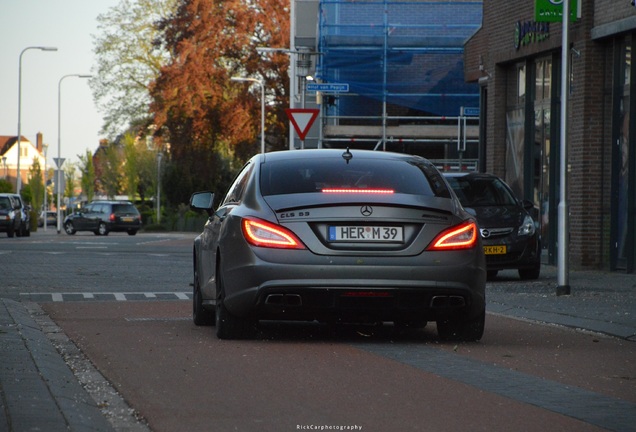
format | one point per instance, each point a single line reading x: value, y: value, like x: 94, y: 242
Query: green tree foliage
x: 211, y: 123
x: 146, y: 170
x: 130, y: 166
x: 127, y: 61
x: 5, y: 186
x: 69, y: 177
x: 87, y: 170
x: 110, y: 164
x: 36, y: 184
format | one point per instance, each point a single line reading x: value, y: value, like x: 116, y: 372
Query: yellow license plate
x: 495, y: 250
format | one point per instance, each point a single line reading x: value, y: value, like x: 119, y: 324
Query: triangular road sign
x: 302, y: 119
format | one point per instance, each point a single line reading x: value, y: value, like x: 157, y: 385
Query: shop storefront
x: 517, y: 61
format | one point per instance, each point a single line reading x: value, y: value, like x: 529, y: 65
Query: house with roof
x: 28, y: 153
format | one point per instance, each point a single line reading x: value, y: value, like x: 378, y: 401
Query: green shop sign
x: 552, y: 10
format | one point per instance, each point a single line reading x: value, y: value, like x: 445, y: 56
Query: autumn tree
x: 127, y: 61
x: 211, y: 123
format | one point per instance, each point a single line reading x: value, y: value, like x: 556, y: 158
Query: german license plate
x: 127, y: 219
x: 495, y: 250
x: 369, y: 234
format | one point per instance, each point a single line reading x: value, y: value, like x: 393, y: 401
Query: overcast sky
x: 69, y: 26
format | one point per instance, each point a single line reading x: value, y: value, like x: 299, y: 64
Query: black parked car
x: 508, y: 231
x: 102, y: 217
x: 10, y: 215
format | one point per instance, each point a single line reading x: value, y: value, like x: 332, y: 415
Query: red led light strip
x: 360, y: 191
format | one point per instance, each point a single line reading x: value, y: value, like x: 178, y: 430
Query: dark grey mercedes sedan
x: 338, y: 236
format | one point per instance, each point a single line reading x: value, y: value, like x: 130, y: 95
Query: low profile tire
x: 69, y: 228
x: 470, y: 330
x: 102, y: 229
x: 229, y: 326
x: 200, y: 315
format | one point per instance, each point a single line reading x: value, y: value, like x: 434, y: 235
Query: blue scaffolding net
x: 406, y: 55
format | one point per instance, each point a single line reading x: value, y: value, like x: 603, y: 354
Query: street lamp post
x: 262, y: 84
x: 19, y: 178
x: 59, y: 161
x: 159, y: 187
x: 44, y: 209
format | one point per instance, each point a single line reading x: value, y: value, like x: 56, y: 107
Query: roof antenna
x: 347, y: 156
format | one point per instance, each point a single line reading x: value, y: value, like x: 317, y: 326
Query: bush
x: 33, y: 221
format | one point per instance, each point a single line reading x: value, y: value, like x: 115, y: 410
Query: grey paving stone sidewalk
x: 38, y: 391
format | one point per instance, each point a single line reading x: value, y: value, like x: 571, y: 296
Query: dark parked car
x: 10, y: 215
x: 508, y: 230
x: 338, y: 236
x: 102, y: 217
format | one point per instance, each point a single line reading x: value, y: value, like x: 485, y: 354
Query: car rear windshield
x: 481, y: 192
x: 124, y: 208
x: 372, y: 175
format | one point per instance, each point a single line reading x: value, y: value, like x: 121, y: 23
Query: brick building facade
x: 517, y: 62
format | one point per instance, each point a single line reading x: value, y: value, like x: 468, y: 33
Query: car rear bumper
x: 357, y: 289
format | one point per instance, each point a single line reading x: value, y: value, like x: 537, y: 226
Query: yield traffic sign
x: 302, y: 119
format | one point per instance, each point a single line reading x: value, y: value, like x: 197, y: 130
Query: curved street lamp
x: 262, y: 84
x: 18, y: 185
x: 59, y: 161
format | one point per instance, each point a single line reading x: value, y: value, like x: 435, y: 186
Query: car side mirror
x: 202, y: 201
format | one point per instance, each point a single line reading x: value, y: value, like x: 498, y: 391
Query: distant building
x: 28, y: 152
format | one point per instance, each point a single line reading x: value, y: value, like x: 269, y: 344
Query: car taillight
x: 265, y: 234
x: 111, y: 217
x: 462, y: 236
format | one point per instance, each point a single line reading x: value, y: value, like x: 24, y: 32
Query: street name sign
x: 328, y: 87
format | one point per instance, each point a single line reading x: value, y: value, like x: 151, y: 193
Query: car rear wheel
x: 69, y: 228
x: 466, y: 330
x: 200, y: 315
x: 229, y: 326
x: 102, y: 229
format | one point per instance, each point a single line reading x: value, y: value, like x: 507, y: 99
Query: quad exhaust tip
x: 447, y: 301
x: 284, y: 300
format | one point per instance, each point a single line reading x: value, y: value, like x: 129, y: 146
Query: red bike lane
x: 180, y: 377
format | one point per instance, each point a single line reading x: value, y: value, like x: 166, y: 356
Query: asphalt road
x: 124, y: 301
x: 47, y: 263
